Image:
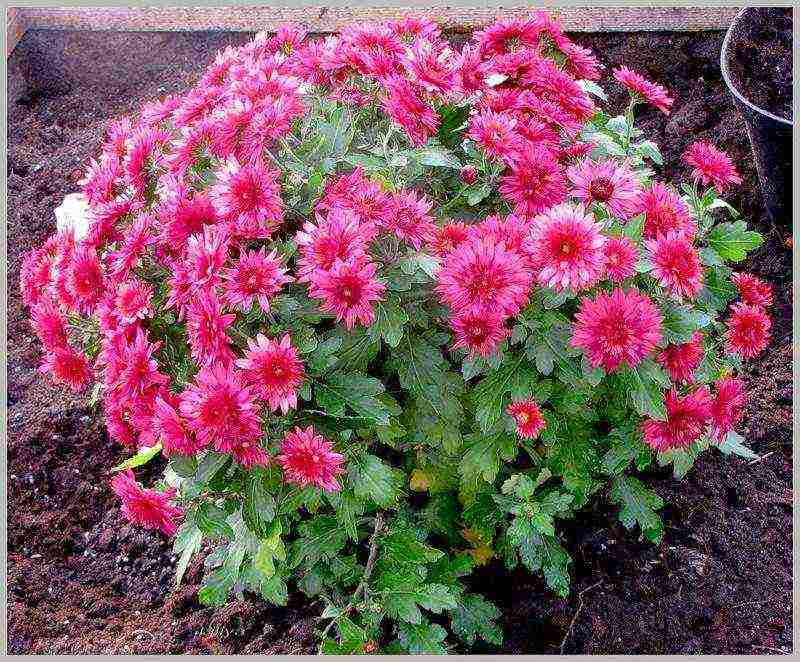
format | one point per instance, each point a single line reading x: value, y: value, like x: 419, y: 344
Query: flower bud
x: 468, y: 174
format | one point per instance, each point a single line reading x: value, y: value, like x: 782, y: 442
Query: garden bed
x: 81, y: 580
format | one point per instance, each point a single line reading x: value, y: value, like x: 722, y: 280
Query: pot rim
x: 726, y: 44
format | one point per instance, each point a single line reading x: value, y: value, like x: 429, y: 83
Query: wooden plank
x: 331, y: 19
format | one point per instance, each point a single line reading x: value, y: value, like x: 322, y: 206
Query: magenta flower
x: 308, y: 458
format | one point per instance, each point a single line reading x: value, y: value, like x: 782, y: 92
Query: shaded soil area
x: 760, y: 58
x: 82, y: 581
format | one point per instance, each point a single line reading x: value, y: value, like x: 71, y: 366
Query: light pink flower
x: 307, y: 458
x: 274, y: 371
x: 616, y: 329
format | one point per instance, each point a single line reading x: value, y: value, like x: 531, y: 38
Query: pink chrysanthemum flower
x: 49, y: 323
x: 748, y: 330
x: 646, y: 90
x: 411, y: 29
x: 348, y: 290
x: 528, y: 417
x: 255, y: 276
x: 482, y: 275
x: 472, y: 70
x: 479, y: 332
x: 431, y: 66
x: 406, y: 105
x: 664, y: 211
x: 496, y: 133
x: 681, y: 360
x: 536, y: 181
x: 364, y: 198
x: 183, y: 217
x: 620, y: 258
x: 205, y: 328
x: 307, y: 458
x: 34, y: 275
x: 753, y: 290
x: 137, y: 238
x: 249, y: 454
x: 711, y: 166
x: 410, y: 219
x: 513, y: 231
x: 85, y: 280
x: 220, y: 410
x: 337, y: 237
x: 687, y: 418
x: 548, y: 81
x: 727, y: 409
x: 676, y: 264
x: 134, y: 301
x: 248, y: 197
x: 508, y: 36
x: 567, y: 249
x: 118, y: 420
x: 448, y: 237
x: 145, y: 507
x: 67, y: 365
x: 620, y: 328
x: 274, y: 371
x: 171, y: 428
x: 608, y: 183
x: 580, y: 63
x: 136, y: 368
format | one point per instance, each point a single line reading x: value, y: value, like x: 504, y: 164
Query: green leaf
x: 187, y: 544
x: 541, y: 553
x: 593, y: 88
x: 438, y: 158
x: 680, y: 322
x: 355, y: 391
x: 483, y: 455
x: 476, y: 194
x: 401, y: 600
x: 634, y: 228
x: 516, y: 378
x: 626, y: 447
x: 423, y: 639
x: 258, y: 509
x: 211, y: 521
x: 215, y: 588
x: 649, y: 149
x: 372, y: 479
x: 184, y: 466
x: 476, y: 618
x: 733, y: 444
x: 732, y: 241
x: 422, y: 370
x: 638, y: 505
x: 400, y: 547
x: 368, y: 162
x: 145, y: 454
x: 274, y: 590
x: 389, y: 321
x: 319, y: 538
x: 717, y: 290
x: 348, y: 507
x: 648, y: 380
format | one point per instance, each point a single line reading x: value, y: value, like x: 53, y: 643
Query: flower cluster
x: 330, y: 254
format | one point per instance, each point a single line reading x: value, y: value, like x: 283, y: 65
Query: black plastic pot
x: 770, y: 137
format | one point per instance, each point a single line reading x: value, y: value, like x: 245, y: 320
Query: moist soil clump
x: 81, y: 580
x: 760, y: 58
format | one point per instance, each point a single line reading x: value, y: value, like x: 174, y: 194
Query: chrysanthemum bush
x: 390, y: 310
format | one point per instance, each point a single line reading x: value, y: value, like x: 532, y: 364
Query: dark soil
x: 80, y: 580
x: 760, y: 58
